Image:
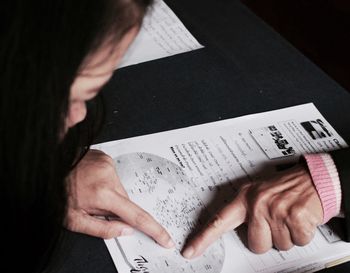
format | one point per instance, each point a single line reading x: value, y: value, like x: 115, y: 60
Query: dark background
x: 320, y: 29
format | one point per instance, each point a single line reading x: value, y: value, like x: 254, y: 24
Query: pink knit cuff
x: 326, y: 180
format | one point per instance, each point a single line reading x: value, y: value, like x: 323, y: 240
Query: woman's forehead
x: 103, y: 60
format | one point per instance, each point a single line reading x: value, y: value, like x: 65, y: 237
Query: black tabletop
x: 244, y: 68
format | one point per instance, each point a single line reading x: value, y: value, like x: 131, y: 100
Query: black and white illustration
x: 162, y: 188
x: 316, y: 129
x: 273, y: 142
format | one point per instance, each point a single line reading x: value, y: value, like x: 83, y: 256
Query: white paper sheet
x: 162, y: 34
x: 180, y: 175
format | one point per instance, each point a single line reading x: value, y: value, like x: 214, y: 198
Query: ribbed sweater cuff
x: 326, y: 180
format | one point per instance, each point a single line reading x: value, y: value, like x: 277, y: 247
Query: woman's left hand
x: 94, y: 189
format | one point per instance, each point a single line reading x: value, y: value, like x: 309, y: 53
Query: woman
x: 55, y: 57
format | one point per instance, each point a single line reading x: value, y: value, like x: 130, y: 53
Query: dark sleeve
x: 342, y: 161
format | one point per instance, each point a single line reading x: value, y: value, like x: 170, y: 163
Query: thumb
x: 97, y: 227
x: 230, y: 217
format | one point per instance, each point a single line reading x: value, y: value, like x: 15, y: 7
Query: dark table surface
x: 244, y: 68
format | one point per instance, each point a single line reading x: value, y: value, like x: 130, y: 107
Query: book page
x: 182, y: 176
x: 162, y: 34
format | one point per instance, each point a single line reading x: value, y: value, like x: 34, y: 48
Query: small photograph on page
x: 272, y: 142
x: 316, y: 129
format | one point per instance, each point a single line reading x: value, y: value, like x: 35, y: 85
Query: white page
x: 178, y: 175
x: 162, y: 34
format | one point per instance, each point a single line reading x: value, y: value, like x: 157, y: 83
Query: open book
x: 182, y: 176
x: 162, y: 35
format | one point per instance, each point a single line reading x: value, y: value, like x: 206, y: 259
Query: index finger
x: 228, y: 218
x: 138, y: 218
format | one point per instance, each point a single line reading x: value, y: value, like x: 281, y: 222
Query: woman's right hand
x: 281, y: 211
x: 94, y: 189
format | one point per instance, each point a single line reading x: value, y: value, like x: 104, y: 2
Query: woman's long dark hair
x: 43, y: 44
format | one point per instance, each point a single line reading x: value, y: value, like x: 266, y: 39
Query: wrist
x: 326, y: 180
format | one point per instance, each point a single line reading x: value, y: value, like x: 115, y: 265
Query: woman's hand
x: 283, y: 211
x: 94, y: 190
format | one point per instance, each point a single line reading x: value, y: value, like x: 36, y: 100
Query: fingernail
x: 127, y: 231
x: 188, y: 252
x: 170, y: 244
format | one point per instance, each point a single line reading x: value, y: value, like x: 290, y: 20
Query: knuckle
x: 260, y: 197
x: 104, y: 162
x: 302, y: 241
x: 314, y: 220
x: 107, y: 160
x: 142, y: 219
x: 257, y: 208
x: 298, y: 214
x: 75, y: 224
x: 163, y: 235
x: 284, y: 247
x: 259, y: 245
x: 303, y: 237
x: 245, y: 188
x: 108, y: 232
x: 259, y: 249
x: 217, y: 222
x: 102, y: 194
x: 278, y: 209
x: 107, y: 170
